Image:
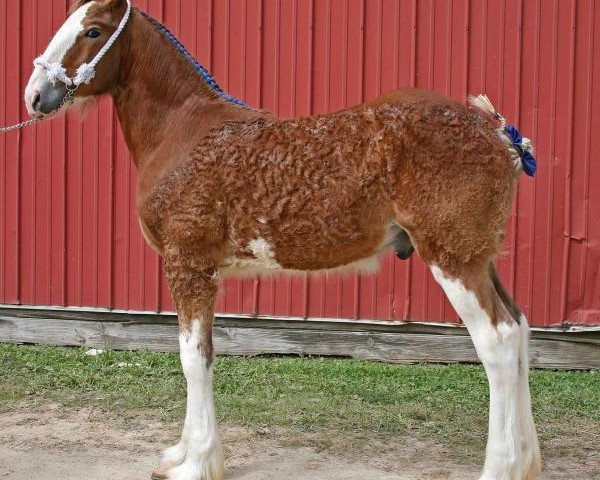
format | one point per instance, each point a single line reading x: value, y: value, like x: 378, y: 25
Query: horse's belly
x: 283, y: 253
x: 307, y: 228
x: 257, y: 257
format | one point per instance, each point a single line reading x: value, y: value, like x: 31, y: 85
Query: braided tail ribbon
x: 520, y: 147
x: 523, y: 148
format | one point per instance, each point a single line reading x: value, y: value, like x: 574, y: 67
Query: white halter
x: 87, y: 71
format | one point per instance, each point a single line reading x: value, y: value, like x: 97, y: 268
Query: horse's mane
x: 205, y: 74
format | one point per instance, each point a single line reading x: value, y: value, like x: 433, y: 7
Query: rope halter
x: 86, y: 71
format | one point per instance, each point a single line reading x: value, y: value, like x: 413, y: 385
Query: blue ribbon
x: 527, y: 159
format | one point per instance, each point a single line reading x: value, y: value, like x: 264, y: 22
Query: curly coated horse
x: 224, y: 189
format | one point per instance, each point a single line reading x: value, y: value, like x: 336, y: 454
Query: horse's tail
x: 520, y: 148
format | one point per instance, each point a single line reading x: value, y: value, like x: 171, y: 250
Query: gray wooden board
x: 563, y: 351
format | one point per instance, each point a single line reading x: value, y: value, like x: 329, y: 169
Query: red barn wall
x: 68, y: 231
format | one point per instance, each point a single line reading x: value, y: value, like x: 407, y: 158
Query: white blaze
x: 66, y: 36
x: 58, y: 47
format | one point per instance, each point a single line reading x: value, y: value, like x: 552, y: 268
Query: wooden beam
x: 403, y: 343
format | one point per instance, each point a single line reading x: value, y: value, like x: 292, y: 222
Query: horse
x: 224, y: 189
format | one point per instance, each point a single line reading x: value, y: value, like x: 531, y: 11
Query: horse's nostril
x: 36, y: 102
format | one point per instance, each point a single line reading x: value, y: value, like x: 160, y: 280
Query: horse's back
x: 406, y: 96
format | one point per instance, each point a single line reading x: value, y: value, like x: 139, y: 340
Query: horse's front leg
x: 198, y: 455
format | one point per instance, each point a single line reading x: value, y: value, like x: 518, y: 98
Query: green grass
x: 347, y: 397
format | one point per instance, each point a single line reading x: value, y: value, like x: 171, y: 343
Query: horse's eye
x: 93, y: 33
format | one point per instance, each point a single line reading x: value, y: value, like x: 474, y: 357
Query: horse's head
x: 78, y: 42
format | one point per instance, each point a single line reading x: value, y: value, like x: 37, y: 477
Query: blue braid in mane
x: 199, y: 68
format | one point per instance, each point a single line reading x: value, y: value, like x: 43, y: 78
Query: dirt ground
x: 54, y: 445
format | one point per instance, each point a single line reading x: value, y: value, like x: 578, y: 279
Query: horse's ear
x: 114, y: 3
x: 76, y: 4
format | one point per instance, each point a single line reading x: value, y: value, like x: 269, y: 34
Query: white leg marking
x: 175, y: 455
x: 200, y: 442
x: 511, y: 452
x: 530, y: 448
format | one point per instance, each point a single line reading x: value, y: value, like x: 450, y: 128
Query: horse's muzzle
x: 47, y: 99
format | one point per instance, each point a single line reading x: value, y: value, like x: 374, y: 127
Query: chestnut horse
x: 223, y: 189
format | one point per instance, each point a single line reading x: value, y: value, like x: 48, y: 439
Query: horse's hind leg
x: 530, y: 442
x: 500, y: 334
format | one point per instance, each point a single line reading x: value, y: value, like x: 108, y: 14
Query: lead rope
x: 85, y: 73
x: 18, y: 126
x: 32, y: 121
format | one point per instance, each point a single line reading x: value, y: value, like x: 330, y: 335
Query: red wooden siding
x: 68, y: 231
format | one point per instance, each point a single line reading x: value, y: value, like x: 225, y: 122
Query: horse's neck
x: 163, y: 104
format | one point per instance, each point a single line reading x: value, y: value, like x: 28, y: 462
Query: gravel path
x: 53, y: 445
